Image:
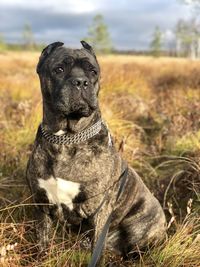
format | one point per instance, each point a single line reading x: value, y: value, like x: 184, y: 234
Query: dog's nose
x: 80, y: 82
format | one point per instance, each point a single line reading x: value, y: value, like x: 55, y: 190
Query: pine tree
x: 3, y: 45
x: 156, y: 43
x: 188, y: 38
x: 98, y: 35
x: 28, y: 38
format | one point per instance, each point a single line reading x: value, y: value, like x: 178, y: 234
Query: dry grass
x: 152, y: 108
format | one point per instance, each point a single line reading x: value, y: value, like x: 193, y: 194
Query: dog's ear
x: 88, y: 47
x: 46, y: 52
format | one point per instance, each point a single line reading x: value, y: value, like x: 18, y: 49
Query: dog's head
x: 69, y: 80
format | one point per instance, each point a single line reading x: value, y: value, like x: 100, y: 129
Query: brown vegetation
x: 152, y: 109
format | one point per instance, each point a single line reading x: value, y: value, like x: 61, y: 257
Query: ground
x: 152, y: 108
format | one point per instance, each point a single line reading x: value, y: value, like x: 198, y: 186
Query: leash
x: 101, y: 240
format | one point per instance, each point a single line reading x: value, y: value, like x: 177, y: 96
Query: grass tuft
x: 152, y: 109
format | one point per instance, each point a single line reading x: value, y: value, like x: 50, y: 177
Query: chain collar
x: 67, y: 139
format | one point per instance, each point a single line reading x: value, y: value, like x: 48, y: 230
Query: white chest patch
x: 60, y: 132
x: 60, y: 191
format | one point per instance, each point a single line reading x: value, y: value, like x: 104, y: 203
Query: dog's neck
x: 57, y: 124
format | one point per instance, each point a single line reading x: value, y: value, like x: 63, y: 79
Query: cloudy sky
x: 130, y: 22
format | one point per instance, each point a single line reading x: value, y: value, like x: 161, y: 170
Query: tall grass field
x: 152, y: 108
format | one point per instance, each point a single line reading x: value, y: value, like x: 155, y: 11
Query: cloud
x: 46, y: 25
x: 130, y: 23
x: 60, y: 6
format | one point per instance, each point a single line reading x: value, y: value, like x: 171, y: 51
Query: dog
x: 74, y: 171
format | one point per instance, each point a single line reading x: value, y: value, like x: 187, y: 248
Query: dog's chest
x: 60, y: 191
x: 83, y: 165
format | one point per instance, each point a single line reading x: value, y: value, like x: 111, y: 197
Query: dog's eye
x: 87, y: 66
x: 94, y: 72
x: 59, y: 70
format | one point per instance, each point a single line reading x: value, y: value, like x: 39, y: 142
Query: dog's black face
x: 69, y: 80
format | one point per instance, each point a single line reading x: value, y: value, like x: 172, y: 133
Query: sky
x: 130, y: 22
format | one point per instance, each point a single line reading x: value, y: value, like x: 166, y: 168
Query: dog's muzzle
x: 76, y: 98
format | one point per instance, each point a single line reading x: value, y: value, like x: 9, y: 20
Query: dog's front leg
x: 43, y: 229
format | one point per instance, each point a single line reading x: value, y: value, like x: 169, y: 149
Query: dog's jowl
x: 74, y: 171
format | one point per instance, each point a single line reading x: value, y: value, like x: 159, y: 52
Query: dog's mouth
x: 78, y: 114
x: 75, y: 112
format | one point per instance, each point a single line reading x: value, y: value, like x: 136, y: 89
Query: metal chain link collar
x: 67, y: 139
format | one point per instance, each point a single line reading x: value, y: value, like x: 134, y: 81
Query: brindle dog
x: 74, y: 166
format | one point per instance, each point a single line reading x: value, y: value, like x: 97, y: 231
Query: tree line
x: 186, y: 35
x: 186, y: 42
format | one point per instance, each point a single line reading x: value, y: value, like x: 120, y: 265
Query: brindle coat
x: 75, y: 178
